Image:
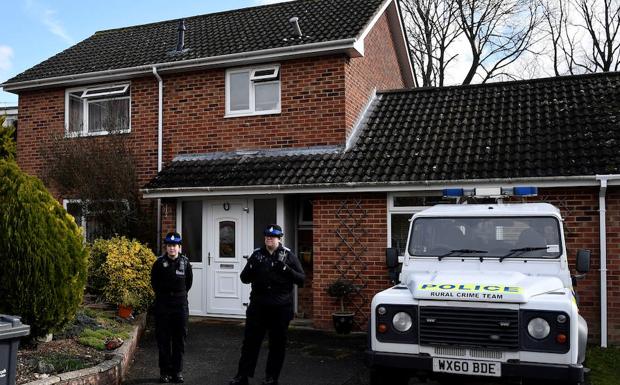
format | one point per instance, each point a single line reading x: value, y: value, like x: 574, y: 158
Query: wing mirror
x: 583, y: 261
x: 391, y: 257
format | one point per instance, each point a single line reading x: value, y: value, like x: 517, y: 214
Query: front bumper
x: 415, y: 362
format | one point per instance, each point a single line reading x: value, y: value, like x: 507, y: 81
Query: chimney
x: 295, y: 23
x: 181, y: 39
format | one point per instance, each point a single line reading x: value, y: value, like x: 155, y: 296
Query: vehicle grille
x: 469, y: 327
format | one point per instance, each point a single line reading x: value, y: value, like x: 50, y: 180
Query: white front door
x: 227, y: 244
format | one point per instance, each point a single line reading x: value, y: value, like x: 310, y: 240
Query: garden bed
x: 80, y: 345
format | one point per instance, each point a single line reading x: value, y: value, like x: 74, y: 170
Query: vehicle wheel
x: 388, y: 376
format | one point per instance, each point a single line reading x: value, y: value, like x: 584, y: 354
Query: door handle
x: 209, y: 259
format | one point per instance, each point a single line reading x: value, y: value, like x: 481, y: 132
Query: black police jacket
x: 171, y: 279
x: 272, y: 276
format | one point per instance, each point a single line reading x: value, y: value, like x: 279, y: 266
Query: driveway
x: 313, y: 357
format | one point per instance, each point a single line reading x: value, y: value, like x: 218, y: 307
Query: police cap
x: 273, y: 231
x: 172, y: 239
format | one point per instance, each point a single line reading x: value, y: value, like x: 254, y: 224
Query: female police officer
x: 171, y: 278
x: 272, y: 270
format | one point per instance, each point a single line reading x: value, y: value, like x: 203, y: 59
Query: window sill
x: 101, y: 133
x: 245, y: 114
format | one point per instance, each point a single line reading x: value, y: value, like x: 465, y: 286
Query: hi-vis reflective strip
x: 474, y: 288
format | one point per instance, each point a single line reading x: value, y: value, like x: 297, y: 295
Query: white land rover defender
x: 485, y: 290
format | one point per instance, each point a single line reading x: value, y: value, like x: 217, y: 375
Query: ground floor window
x: 191, y: 230
x: 265, y: 213
x: 99, y: 219
x: 401, y: 207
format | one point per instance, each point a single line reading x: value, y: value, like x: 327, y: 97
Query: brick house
x: 249, y: 117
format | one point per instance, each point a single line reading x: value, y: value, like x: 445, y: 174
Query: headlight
x: 538, y: 328
x: 402, y: 321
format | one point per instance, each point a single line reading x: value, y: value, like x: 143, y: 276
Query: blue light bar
x: 452, y: 192
x: 526, y: 191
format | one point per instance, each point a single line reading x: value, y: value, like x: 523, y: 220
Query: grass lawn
x: 604, y: 365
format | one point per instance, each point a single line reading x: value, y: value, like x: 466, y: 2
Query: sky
x: 34, y: 30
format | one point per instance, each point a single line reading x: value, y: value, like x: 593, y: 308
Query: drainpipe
x: 159, y: 148
x: 603, y: 179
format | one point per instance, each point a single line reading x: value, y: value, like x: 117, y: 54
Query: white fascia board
x: 402, y: 46
x: 373, y: 21
x: 346, y: 46
x: 557, y: 182
x: 392, y: 11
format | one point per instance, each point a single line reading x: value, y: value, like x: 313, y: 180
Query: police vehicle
x: 485, y: 290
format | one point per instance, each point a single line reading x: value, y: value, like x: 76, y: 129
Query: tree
x: 101, y: 173
x: 583, y: 35
x: 7, y: 140
x: 432, y: 29
x: 43, y: 260
x: 498, y: 33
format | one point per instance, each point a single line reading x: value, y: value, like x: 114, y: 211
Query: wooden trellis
x: 351, y: 250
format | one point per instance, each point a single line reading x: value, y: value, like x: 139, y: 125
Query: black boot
x: 164, y: 378
x: 239, y: 380
x: 270, y: 381
x: 178, y: 378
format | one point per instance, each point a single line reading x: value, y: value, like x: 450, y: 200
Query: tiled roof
x: 211, y: 35
x: 565, y: 126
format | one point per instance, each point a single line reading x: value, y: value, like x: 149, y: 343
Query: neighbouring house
x: 10, y: 115
x: 301, y: 113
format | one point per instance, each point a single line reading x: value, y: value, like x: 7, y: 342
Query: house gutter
x: 349, y: 46
x: 160, y: 147
x: 566, y: 181
x: 603, y: 180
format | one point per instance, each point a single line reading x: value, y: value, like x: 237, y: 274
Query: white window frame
x: 83, y: 218
x: 411, y: 210
x: 90, y: 92
x: 65, y: 203
x: 261, y: 79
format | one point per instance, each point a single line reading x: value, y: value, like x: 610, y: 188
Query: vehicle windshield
x: 480, y: 237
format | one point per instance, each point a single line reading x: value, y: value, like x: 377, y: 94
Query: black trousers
x: 171, y: 332
x: 262, y: 319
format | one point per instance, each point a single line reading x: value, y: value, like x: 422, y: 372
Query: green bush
x: 42, y: 254
x: 121, y: 272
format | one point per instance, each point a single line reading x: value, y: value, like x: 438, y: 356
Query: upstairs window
x: 98, y: 110
x: 253, y: 91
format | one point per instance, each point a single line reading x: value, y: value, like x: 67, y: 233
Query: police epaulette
x: 286, y: 248
x: 256, y: 249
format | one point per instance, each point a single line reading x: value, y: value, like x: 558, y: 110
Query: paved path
x: 313, y: 357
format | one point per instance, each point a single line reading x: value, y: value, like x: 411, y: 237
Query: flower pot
x: 343, y: 322
x: 124, y: 311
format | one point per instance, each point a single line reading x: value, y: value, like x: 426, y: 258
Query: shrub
x: 42, y: 255
x: 121, y: 271
x: 340, y: 289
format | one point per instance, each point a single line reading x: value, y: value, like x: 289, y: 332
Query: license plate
x: 474, y: 368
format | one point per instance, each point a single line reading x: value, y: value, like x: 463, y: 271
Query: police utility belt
x: 175, y: 293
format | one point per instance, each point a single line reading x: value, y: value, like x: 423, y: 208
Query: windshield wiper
x: 519, y: 251
x: 460, y: 251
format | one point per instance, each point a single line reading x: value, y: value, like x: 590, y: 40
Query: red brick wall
x: 41, y: 117
x: 579, y: 208
x: 313, y: 111
x: 332, y: 259
x: 378, y: 68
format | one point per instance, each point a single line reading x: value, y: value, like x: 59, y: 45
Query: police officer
x: 272, y: 270
x: 171, y: 278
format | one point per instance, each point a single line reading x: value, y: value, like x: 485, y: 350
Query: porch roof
x: 540, y: 128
